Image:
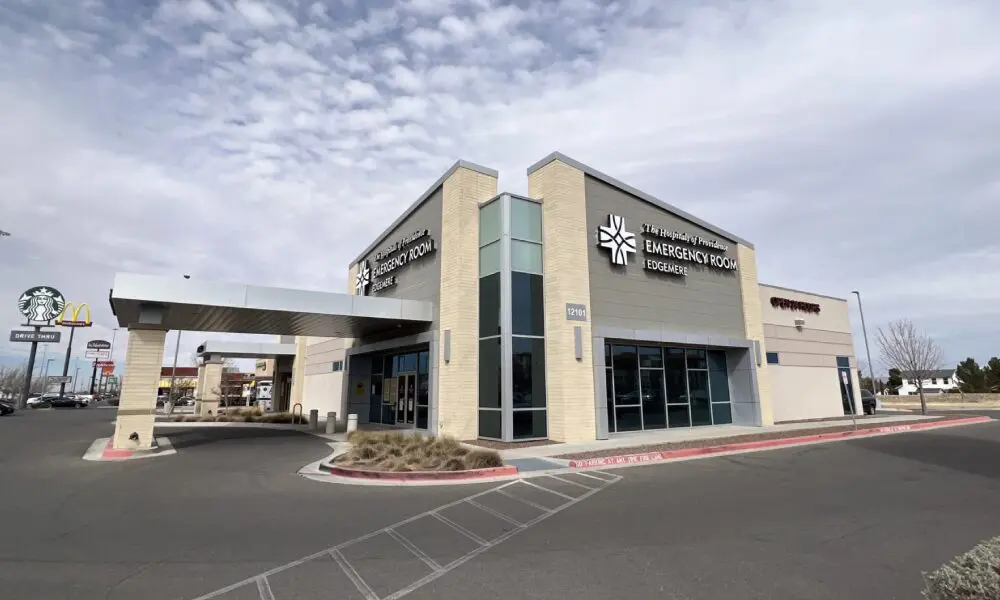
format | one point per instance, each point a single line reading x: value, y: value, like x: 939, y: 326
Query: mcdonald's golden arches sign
x: 70, y: 315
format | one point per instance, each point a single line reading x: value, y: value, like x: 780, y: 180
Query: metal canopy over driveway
x: 149, y: 301
x: 245, y: 349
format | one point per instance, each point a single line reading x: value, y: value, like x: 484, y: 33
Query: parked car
x: 54, y: 400
x: 185, y: 401
x: 6, y: 408
x: 868, y: 402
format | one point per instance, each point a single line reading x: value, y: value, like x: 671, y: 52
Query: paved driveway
x: 858, y: 519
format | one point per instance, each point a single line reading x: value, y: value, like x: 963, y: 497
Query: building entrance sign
x: 787, y: 304
x: 408, y: 249
x: 678, y: 247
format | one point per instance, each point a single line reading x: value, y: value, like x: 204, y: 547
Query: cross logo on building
x: 363, y: 278
x: 615, y: 238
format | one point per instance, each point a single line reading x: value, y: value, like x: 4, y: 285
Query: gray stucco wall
x: 706, y: 301
x: 419, y: 279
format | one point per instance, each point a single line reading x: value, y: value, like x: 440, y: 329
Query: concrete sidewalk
x: 667, y: 436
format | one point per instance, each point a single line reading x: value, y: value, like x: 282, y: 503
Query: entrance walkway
x: 667, y: 436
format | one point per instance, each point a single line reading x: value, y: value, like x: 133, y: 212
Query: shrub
x: 972, y: 576
x: 224, y: 419
x: 398, y: 451
x: 483, y: 459
x: 178, y: 418
x: 207, y: 419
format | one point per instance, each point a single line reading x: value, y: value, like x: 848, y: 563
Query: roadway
x: 860, y: 518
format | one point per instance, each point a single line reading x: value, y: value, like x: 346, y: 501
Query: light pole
x: 45, y: 376
x: 76, y: 376
x: 173, y: 371
x: 868, y: 352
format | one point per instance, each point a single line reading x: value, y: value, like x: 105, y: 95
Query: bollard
x: 352, y: 423
x: 331, y: 422
x: 314, y: 419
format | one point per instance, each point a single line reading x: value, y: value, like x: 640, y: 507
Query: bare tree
x: 905, y: 348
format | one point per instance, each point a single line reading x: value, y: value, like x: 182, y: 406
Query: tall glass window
x: 529, y: 419
x: 490, y: 293
x: 653, y: 387
x: 512, y: 392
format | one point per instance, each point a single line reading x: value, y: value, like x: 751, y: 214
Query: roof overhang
x: 217, y: 348
x: 156, y: 302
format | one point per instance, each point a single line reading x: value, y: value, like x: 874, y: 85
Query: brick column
x: 137, y: 402
x: 569, y: 382
x: 458, y: 379
x: 211, y: 387
x: 753, y: 321
x: 200, y: 390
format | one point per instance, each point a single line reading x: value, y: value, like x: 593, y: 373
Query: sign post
x: 96, y: 349
x: 39, y: 305
x: 70, y: 317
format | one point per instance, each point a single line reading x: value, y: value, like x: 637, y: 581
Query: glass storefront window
x: 696, y: 359
x: 489, y: 373
x: 423, y: 363
x: 530, y: 424
x: 626, y: 372
x: 490, y: 424
x: 525, y: 220
x: 528, y: 371
x: 489, y: 259
x: 653, y: 387
x: 408, y: 363
x: 490, y: 222
x: 654, y: 403
x: 701, y: 407
x: 489, y: 305
x: 527, y: 308
x: 525, y: 257
x: 650, y: 357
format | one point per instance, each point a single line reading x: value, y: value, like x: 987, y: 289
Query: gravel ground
x: 721, y: 441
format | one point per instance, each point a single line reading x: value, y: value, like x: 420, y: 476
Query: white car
x: 87, y: 398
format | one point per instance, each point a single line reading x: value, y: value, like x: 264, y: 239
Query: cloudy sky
x: 856, y: 142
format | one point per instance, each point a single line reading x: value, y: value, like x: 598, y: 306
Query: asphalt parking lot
x: 849, y: 519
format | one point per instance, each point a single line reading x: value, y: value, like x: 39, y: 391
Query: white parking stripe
x: 589, y: 476
x: 413, y: 549
x: 263, y: 586
x: 356, y: 579
x: 545, y: 489
x: 523, y: 501
x: 459, y: 528
x: 496, y: 514
x: 264, y: 589
x: 576, y: 483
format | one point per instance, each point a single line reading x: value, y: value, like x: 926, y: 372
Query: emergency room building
x: 583, y: 310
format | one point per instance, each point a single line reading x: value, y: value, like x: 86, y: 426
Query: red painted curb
x: 111, y: 452
x: 420, y: 475
x: 646, y: 457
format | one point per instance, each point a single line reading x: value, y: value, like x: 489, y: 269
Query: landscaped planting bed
x: 243, y: 415
x: 393, y: 451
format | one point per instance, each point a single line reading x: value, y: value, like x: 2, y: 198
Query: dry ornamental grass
x: 396, y: 451
x: 243, y: 415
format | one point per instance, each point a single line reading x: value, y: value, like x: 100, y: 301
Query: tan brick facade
x: 137, y: 406
x: 753, y: 320
x: 458, y: 379
x: 569, y: 382
x: 211, y: 388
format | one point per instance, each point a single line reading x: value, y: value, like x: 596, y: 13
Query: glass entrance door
x: 406, y: 396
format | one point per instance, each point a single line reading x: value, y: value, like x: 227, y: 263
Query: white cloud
x: 855, y: 143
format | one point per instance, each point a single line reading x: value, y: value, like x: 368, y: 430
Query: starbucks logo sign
x: 41, y: 304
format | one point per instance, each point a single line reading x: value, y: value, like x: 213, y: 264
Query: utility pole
x: 173, y: 372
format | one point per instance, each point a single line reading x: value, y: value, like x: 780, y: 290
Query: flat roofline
x: 788, y: 289
x: 554, y: 156
x: 459, y: 164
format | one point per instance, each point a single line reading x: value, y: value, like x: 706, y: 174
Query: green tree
x: 895, y: 381
x: 992, y: 375
x: 971, y: 377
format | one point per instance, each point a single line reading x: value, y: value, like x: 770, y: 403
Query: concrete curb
x: 102, y: 450
x: 666, y: 455
x: 470, y: 475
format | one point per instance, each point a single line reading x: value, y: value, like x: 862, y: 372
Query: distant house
x: 940, y: 382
